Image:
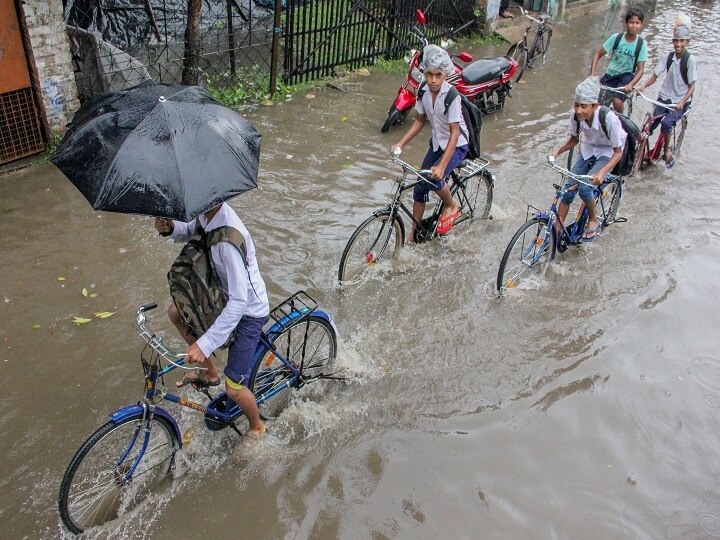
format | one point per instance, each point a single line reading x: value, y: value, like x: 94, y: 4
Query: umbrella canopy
x: 159, y: 150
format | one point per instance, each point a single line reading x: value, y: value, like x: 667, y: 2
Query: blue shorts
x: 614, y: 81
x: 669, y: 118
x: 421, y: 193
x: 242, y: 351
x: 584, y: 166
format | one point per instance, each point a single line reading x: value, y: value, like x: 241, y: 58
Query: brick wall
x: 51, y: 55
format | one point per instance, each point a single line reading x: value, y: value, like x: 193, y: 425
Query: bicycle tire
x: 679, y: 138
x: 611, y: 194
x: 526, y: 238
x: 91, y: 492
x: 475, y: 195
x: 394, y: 117
x: 310, y: 343
x: 371, y: 248
x: 544, y: 43
x: 518, y: 52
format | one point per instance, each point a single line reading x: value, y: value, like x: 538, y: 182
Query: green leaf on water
x: 81, y: 320
x: 104, y: 314
x: 84, y: 291
x: 37, y: 326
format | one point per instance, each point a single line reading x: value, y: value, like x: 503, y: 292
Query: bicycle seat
x: 485, y: 69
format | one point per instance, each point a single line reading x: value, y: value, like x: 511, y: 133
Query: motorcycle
x: 486, y: 82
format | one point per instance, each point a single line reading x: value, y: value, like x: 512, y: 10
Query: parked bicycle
x: 380, y: 237
x: 131, y: 454
x: 525, y: 55
x: 646, y: 154
x: 535, y: 244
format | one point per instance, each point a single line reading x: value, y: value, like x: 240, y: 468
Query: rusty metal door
x: 20, y: 133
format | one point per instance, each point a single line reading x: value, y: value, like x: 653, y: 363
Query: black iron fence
x: 244, y: 46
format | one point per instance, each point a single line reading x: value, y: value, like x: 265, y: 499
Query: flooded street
x: 585, y: 407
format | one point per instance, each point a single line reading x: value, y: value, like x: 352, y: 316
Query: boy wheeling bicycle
x: 600, y: 150
x: 679, y: 85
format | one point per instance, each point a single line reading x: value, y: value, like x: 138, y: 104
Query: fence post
x: 391, y: 25
x: 231, y: 37
x: 275, y: 56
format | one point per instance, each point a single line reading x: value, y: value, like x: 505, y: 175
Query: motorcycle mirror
x: 420, y: 16
x: 465, y: 57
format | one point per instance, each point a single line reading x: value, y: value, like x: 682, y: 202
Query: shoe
x: 670, y: 163
x: 195, y: 378
x: 589, y: 235
x: 446, y: 223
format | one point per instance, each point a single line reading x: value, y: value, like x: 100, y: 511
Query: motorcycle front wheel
x: 394, y: 117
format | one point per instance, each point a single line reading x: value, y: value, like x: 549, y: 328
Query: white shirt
x: 673, y: 87
x: 595, y: 142
x: 438, y: 120
x: 244, y: 286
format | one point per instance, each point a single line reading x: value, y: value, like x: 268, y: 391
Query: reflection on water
x: 519, y: 417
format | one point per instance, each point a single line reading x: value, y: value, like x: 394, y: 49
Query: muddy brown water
x: 584, y: 407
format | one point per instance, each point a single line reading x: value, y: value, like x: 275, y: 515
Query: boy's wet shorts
x: 421, y: 193
x: 615, y: 81
x: 242, y: 351
x: 669, y: 118
x: 584, y: 166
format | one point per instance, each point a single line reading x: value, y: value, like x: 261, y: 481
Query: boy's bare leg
x: 666, y: 147
x: 246, y: 401
x: 592, y: 216
x: 618, y: 105
x: 418, y: 212
x: 562, y: 214
x: 449, y: 204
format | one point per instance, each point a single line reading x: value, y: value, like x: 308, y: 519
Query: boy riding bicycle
x: 600, y: 150
x: 679, y: 85
x: 448, y: 145
x: 629, y: 54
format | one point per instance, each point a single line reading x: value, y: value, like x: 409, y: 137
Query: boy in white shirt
x: 600, y: 150
x: 679, y: 85
x: 246, y: 312
x: 448, y: 145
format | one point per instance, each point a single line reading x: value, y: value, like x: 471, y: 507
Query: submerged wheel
x: 527, y: 254
x: 377, y: 240
x: 310, y: 343
x: 394, y: 117
x: 611, y: 194
x: 94, y: 489
x: 518, y: 52
x: 475, y: 195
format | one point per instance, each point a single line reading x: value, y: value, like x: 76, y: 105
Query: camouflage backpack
x: 194, y: 285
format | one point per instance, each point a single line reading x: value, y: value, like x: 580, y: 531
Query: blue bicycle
x: 133, y: 453
x: 536, y: 242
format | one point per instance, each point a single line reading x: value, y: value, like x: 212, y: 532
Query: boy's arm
x: 570, y: 143
x: 636, y: 79
x: 414, y: 129
x: 598, y: 55
x: 687, y: 97
x: 439, y: 169
x: 599, y: 176
x: 649, y: 82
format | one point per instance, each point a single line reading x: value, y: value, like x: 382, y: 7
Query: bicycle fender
x: 126, y: 412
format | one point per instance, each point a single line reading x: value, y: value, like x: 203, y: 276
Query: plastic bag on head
x: 435, y: 57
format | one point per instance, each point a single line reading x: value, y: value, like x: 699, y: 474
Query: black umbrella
x: 159, y: 150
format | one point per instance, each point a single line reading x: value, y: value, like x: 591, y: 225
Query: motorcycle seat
x: 485, y: 69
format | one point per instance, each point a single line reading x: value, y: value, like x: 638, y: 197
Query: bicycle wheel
x: 378, y: 239
x: 94, y: 491
x: 309, y: 344
x: 475, y: 195
x: 544, y: 44
x: 518, y: 52
x: 640, y: 162
x: 527, y: 254
x: 680, y: 136
x: 611, y: 194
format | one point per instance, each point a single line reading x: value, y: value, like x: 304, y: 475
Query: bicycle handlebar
x: 534, y: 19
x: 620, y: 90
x: 668, y: 106
x: 420, y: 173
x: 578, y: 177
x: 155, y: 342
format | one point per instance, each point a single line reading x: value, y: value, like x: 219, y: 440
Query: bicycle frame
x: 540, y: 28
x: 154, y: 373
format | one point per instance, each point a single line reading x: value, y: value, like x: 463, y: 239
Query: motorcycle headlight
x: 416, y: 75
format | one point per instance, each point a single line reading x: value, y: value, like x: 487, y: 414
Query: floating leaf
x: 188, y: 435
x: 81, y: 320
x: 36, y: 326
x: 93, y: 295
x: 364, y: 72
x: 104, y: 314
x: 84, y: 291
x: 61, y: 278
x: 343, y: 119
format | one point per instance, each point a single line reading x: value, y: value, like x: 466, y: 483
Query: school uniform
x: 673, y: 89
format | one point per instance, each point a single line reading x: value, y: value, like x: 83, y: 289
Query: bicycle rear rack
x: 473, y: 167
x: 293, y: 309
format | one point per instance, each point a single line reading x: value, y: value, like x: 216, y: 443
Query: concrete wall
x: 51, y: 57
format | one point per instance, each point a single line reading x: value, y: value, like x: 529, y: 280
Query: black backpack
x: 625, y: 165
x: 638, y: 46
x: 471, y: 115
x: 683, y: 64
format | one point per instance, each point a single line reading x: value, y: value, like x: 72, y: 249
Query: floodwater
x: 586, y: 406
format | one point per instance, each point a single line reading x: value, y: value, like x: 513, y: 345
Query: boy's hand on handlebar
x: 436, y: 172
x: 396, y: 150
x: 195, y: 355
x: 598, y: 178
x: 164, y: 226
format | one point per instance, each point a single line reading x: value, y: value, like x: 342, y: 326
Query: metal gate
x: 20, y: 132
